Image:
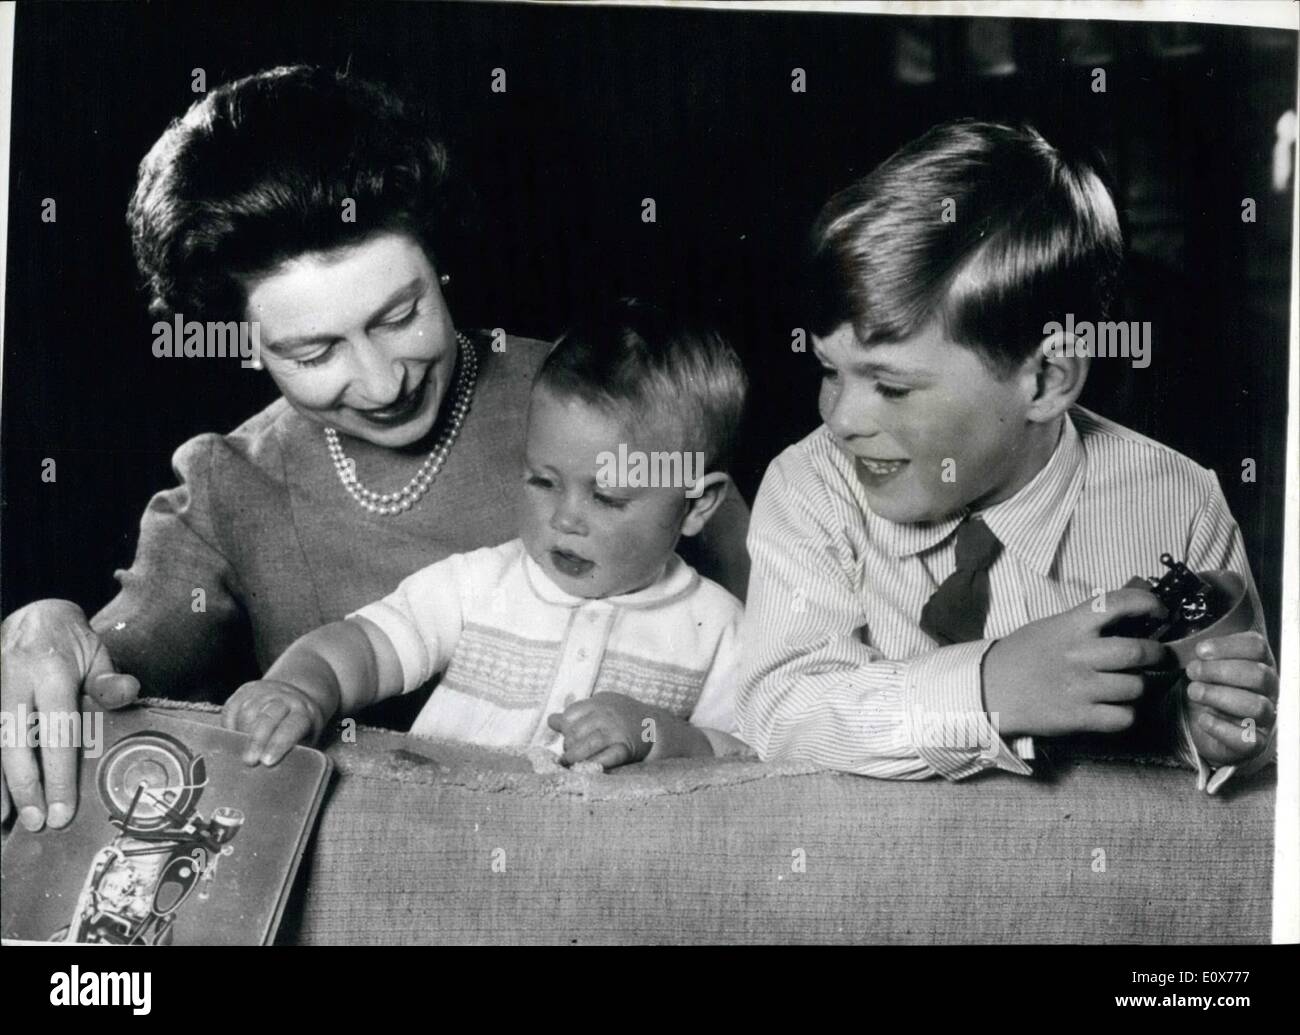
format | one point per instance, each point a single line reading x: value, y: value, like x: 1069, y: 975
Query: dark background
x: 603, y: 108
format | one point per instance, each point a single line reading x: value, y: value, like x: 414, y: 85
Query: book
x: 175, y: 840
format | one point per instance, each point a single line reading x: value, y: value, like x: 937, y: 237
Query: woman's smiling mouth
x: 402, y: 410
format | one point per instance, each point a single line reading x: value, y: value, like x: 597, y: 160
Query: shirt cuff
x: 1208, y: 778
x: 1185, y: 746
x: 944, y: 717
x: 725, y: 745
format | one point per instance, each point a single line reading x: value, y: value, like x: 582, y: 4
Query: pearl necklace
x: 390, y: 503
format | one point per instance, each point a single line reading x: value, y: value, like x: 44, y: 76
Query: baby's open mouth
x: 571, y: 564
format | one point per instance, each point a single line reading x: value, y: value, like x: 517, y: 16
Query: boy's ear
x: 706, y: 497
x: 1058, y: 377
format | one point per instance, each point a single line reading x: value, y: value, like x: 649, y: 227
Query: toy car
x: 1193, y: 605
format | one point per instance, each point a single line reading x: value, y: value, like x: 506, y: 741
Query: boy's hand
x: 1232, y: 692
x: 276, y: 715
x: 606, y: 728
x: 1062, y: 675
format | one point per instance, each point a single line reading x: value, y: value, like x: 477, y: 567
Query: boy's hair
x: 257, y: 172
x: 988, y: 228
x: 633, y: 360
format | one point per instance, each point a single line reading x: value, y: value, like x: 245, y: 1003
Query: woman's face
x: 358, y: 338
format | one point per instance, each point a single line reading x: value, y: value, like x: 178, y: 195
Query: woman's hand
x: 49, y: 657
x: 277, y: 715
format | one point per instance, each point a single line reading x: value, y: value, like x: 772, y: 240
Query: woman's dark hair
x: 985, y: 227
x: 259, y: 171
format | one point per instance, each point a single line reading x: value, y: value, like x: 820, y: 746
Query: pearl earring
x: 445, y: 279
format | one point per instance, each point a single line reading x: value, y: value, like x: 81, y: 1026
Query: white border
x: 1278, y: 14
x: 1286, y: 820
x: 7, y: 9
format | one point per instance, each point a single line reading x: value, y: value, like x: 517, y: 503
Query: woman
x: 317, y: 207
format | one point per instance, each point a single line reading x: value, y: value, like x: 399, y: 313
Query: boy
x: 587, y: 633
x: 935, y: 568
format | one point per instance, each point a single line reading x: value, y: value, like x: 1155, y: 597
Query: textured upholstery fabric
x: 427, y: 842
x: 684, y: 852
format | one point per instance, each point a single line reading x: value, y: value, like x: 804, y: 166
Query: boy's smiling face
x: 900, y: 410
x: 593, y: 541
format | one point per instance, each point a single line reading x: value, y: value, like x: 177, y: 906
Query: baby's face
x: 592, y: 540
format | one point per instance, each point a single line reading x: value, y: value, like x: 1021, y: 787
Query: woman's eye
x: 829, y: 373
x: 617, y: 503
x: 890, y: 392
x: 404, y: 319
x: 316, y: 360
x: 537, y: 481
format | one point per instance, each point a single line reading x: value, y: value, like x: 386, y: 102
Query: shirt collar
x: 1029, y: 524
x: 677, y: 580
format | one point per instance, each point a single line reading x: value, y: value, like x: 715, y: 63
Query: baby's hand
x: 1232, y: 690
x: 276, y: 715
x: 611, y: 729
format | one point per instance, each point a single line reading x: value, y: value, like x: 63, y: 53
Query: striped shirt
x: 837, y: 670
x: 515, y: 648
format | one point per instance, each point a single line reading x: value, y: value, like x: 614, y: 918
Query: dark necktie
x: 958, y: 608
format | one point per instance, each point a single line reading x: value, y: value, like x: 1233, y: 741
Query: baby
x: 587, y: 635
